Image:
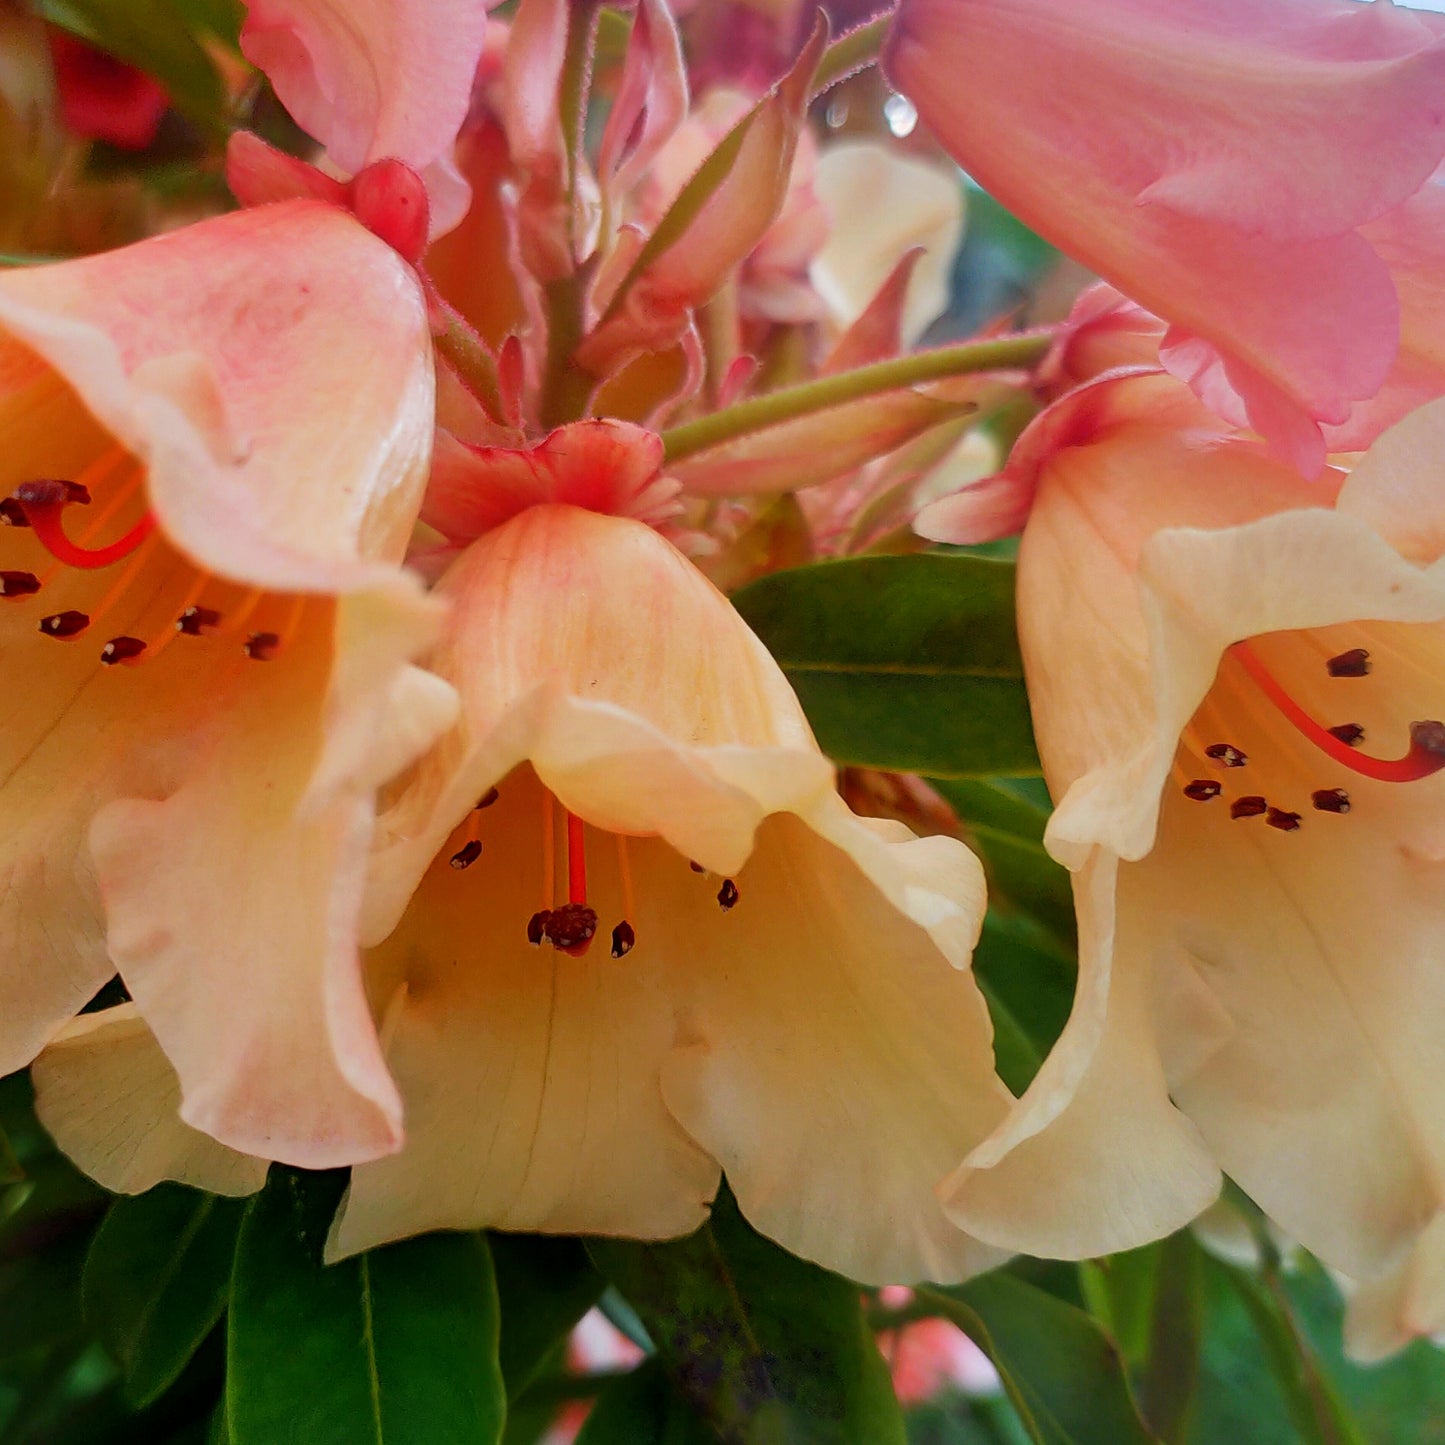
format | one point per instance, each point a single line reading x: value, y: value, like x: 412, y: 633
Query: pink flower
x: 102, y: 98
x: 376, y: 80
x: 215, y: 446
x: 1221, y: 161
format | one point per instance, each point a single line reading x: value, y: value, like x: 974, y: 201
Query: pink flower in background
x: 102, y: 98
x: 1180, y: 151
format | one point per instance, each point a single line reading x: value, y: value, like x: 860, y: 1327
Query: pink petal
x: 1213, y: 160
x: 373, y: 79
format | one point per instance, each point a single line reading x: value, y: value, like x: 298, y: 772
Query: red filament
x: 1427, y: 739
x: 43, y: 503
x: 576, y: 861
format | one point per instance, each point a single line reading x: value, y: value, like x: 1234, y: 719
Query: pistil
x: 43, y: 504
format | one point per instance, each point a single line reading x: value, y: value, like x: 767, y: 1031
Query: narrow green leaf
x: 544, y: 1285
x: 156, y: 1281
x: 1314, y: 1404
x: 1007, y: 832
x: 396, y: 1347
x: 768, y: 1348
x: 644, y: 1408
x: 1062, y: 1372
x: 1171, y: 1377
x: 907, y: 663
x: 152, y: 36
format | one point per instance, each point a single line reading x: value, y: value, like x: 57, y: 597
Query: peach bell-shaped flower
x: 215, y: 444
x: 632, y: 934
x: 628, y: 935
x: 1238, y: 697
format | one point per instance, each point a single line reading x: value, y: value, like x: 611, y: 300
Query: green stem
x: 851, y: 52
x: 566, y: 388
x: 472, y: 360
x: 813, y: 396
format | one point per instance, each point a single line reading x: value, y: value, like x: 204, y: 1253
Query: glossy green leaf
x: 152, y: 36
x: 1006, y: 830
x: 156, y: 1281
x: 544, y: 1285
x: 1064, y: 1375
x: 767, y: 1347
x: 906, y: 663
x: 644, y: 1408
x: 1028, y: 982
x: 395, y: 1347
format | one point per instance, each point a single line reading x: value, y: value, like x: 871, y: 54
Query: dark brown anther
x: 466, y: 855
x: 696, y: 867
x: 64, y: 624
x: 1222, y: 753
x: 121, y: 649
x: 1331, y: 800
x: 262, y: 646
x: 1351, y: 734
x: 1354, y: 663
x: 622, y: 939
x: 488, y: 798
x: 1248, y: 807
x: 12, y: 514
x: 570, y: 928
x: 1285, y: 822
x: 50, y: 492
x: 1201, y: 790
x: 195, y: 621
x: 19, y: 584
x: 727, y: 895
x: 1427, y: 737
x: 537, y: 926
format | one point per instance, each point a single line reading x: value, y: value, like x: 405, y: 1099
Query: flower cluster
x: 378, y: 712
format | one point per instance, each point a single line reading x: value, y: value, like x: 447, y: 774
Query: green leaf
x: 906, y: 663
x: 152, y: 36
x: 766, y: 1347
x: 1064, y: 1375
x: 644, y: 1408
x: 395, y: 1347
x: 156, y: 1281
x: 544, y: 1285
x: 1007, y: 832
x: 1028, y: 982
x: 11, y: 1170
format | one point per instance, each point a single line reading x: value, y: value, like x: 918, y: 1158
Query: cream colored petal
x: 1403, y: 1304
x: 1395, y: 487
x: 1094, y: 1158
x: 530, y: 1077
x: 883, y: 204
x: 109, y: 1098
x: 833, y: 1061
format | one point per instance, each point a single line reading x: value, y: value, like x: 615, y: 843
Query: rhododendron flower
x: 215, y: 446
x: 629, y: 936
x: 1178, y: 152
x: 375, y: 80
x: 103, y: 98
x: 1238, y: 699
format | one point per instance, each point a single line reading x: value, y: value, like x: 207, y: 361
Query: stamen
x: 1247, y: 807
x: 19, y: 584
x: 1202, y: 790
x: 43, y: 502
x: 488, y: 798
x: 1285, y: 822
x: 727, y: 895
x: 570, y: 928
x: 121, y: 649
x: 1354, y: 663
x: 549, y: 855
x: 624, y: 936
x: 537, y: 926
x: 1331, y: 800
x: 576, y: 861
x: 262, y: 646
x: 64, y: 625
x: 1427, y: 739
x: 623, y: 939
x: 468, y: 854
x: 696, y: 867
x: 1351, y: 734
x: 1223, y: 753
x: 196, y: 621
